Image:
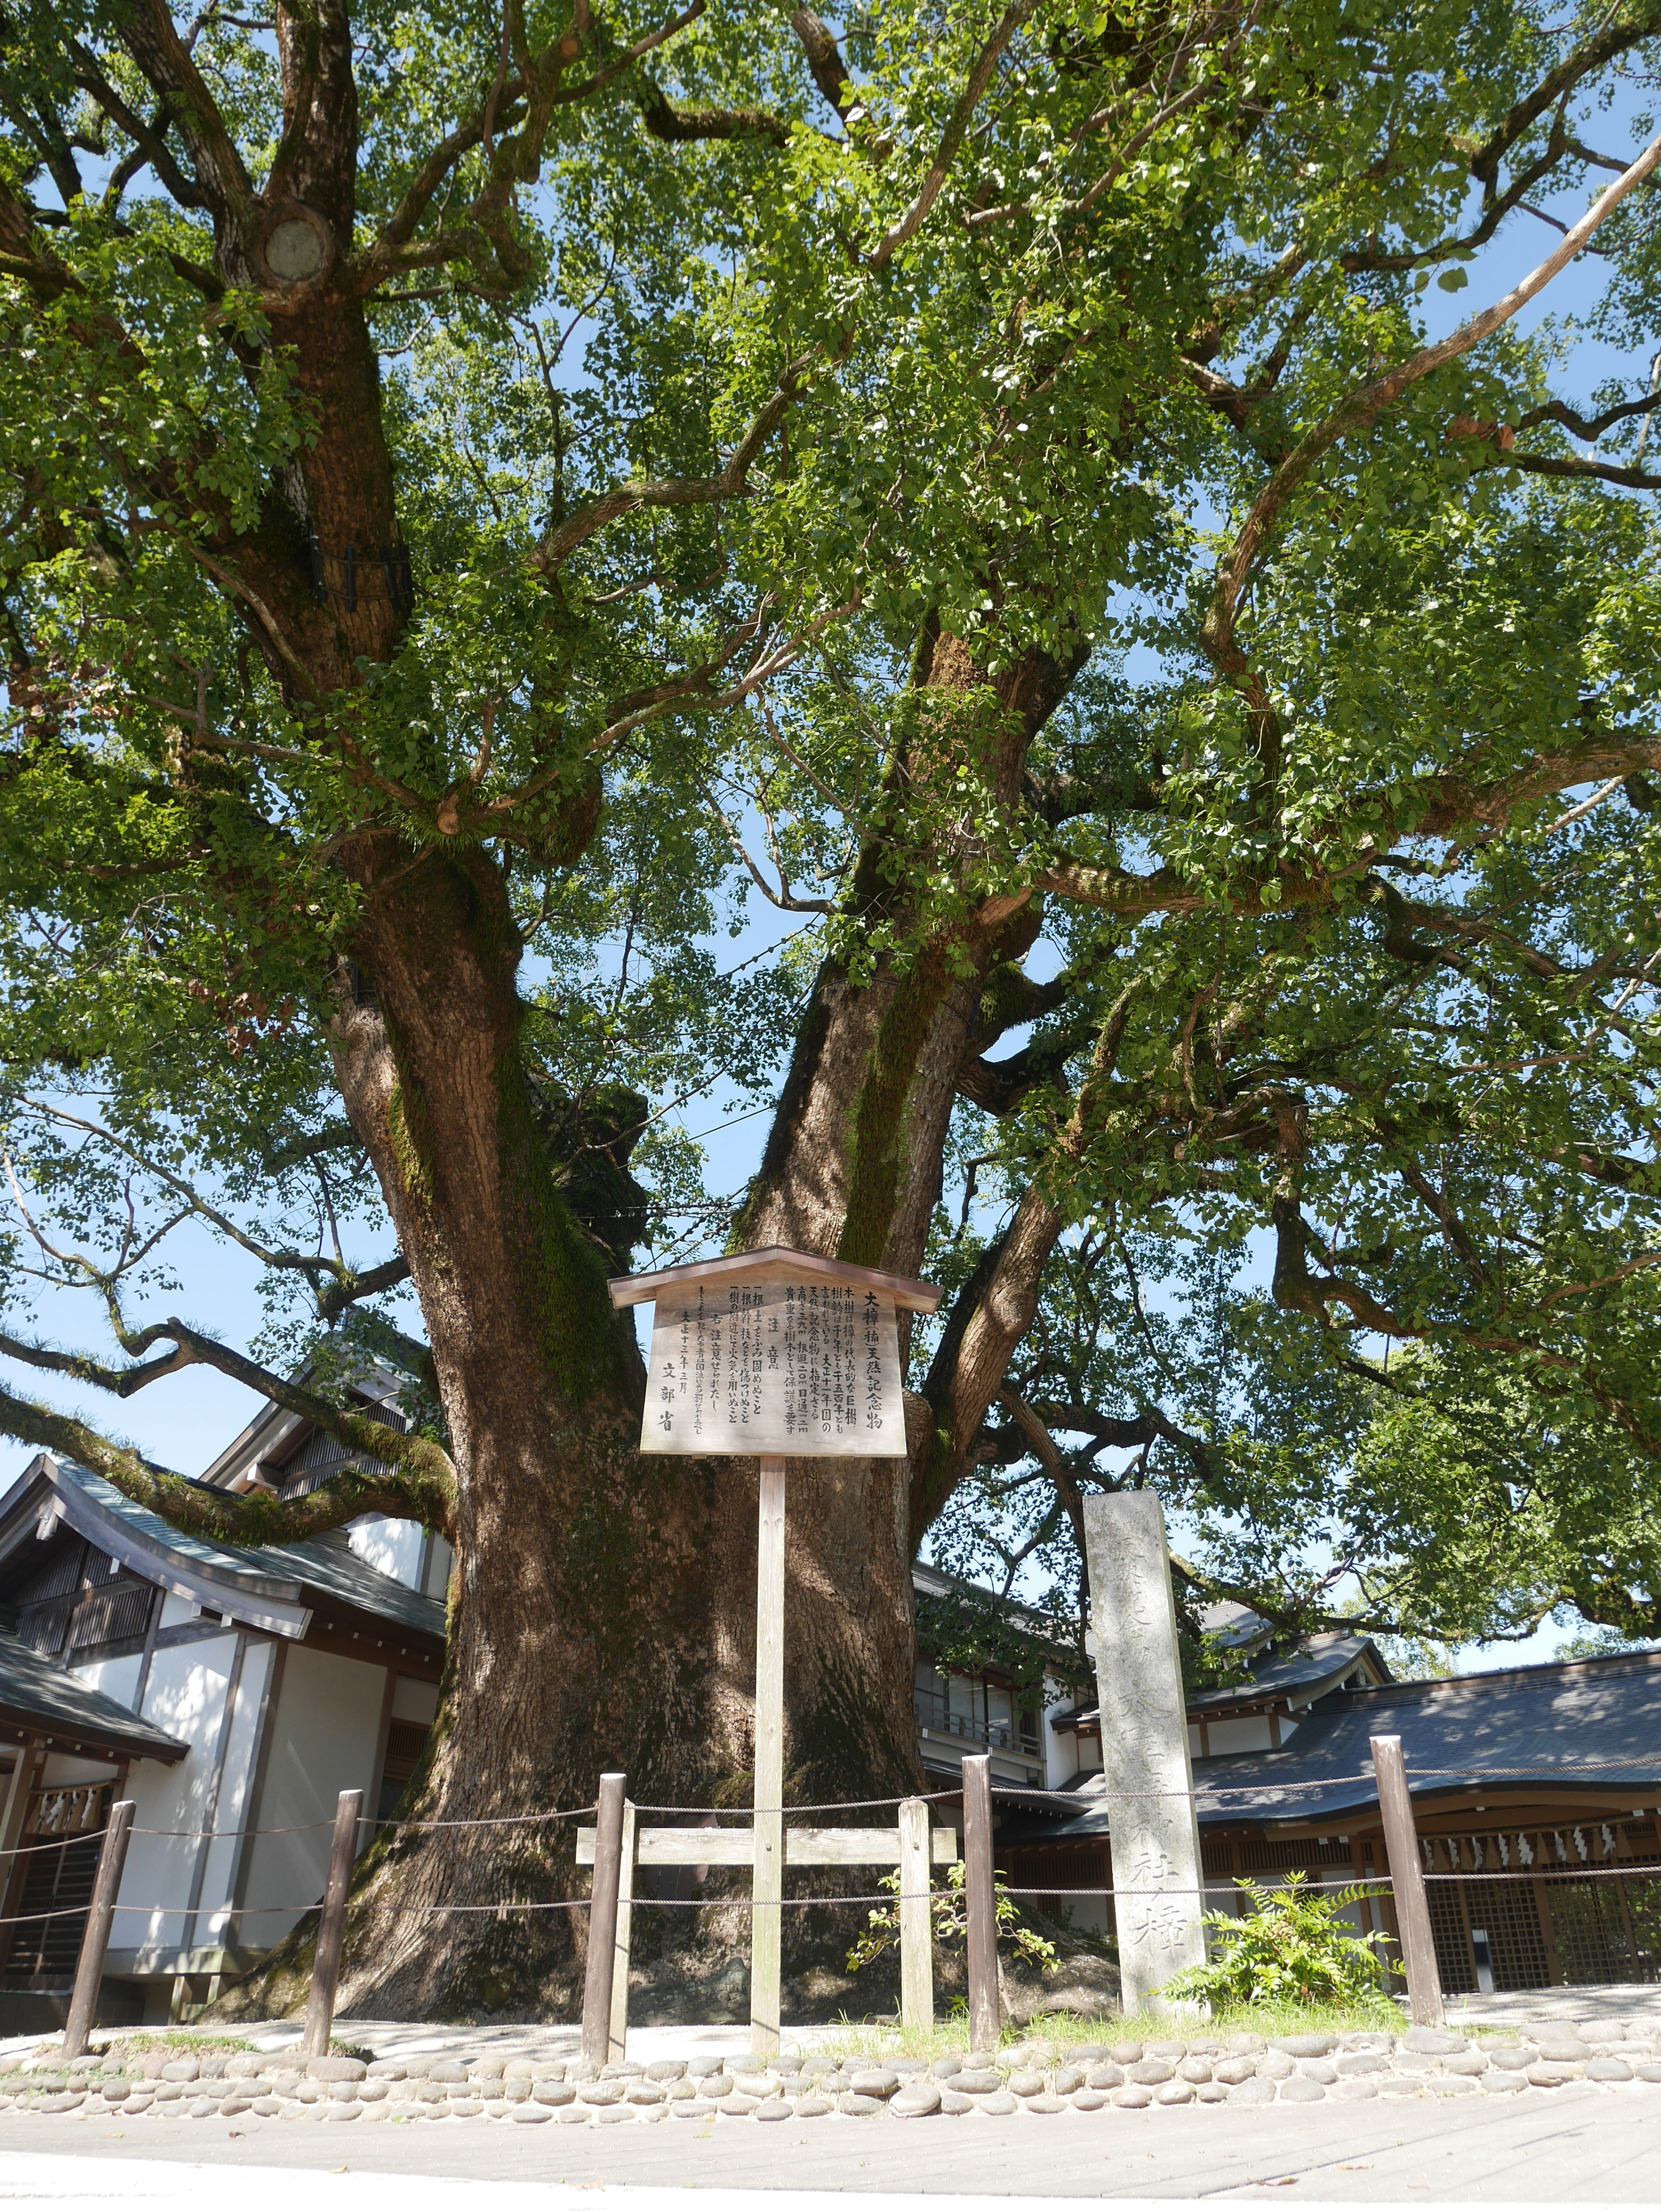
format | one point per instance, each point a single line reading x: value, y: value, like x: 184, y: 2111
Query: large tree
x: 487, y: 491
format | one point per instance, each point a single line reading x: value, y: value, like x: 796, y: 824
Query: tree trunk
x: 603, y: 1605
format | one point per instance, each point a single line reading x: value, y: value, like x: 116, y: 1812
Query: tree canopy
x: 493, y: 498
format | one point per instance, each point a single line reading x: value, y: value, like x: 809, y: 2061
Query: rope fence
x: 1360, y: 1886
x: 1404, y: 1881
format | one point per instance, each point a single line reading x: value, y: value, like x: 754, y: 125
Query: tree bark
x: 602, y: 1605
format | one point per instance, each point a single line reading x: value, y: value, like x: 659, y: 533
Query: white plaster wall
x: 241, y: 1752
x: 440, y: 1561
x: 415, y: 1701
x: 1247, y: 1733
x: 391, y: 1547
x: 186, y: 1697
x: 117, y: 1678
x: 1060, y: 1757
x: 62, y: 1770
x: 177, y: 1612
x: 325, y: 1732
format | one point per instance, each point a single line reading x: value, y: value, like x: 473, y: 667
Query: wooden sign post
x: 773, y: 1355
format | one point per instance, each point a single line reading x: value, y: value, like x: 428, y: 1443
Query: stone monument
x: 1147, y: 1777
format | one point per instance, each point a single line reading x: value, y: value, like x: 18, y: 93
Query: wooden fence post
x: 1407, y: 1881
x: 618, y: 2043
x: 331, y: 1927
x: 980, y: 1904
x: 916, y: 1918
x: 767, y: 1884
x: 89, y: 1967
x: 603, y: 1919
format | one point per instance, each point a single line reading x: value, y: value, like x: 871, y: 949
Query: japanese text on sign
x: 810, y: 1369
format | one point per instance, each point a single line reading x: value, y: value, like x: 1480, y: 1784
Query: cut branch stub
x: 295, y: 248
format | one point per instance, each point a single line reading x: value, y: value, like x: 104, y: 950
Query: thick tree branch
x: 1613, y: 37
x: 222, y: 1515
x: 731, y: 482
x: 951, y: 137
x: 825, y: 62
x: 684, y: 126
x: 150, y: 36
x: 417, y: 1460
x: 1587, y: 426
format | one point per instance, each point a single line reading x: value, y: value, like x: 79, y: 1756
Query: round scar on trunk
x: 296, y: 246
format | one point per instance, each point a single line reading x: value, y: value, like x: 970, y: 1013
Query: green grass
x: 1054, y: 2032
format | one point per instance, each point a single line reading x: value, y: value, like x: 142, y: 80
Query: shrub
x: 951, y: 1919
x: 1291, y: 1948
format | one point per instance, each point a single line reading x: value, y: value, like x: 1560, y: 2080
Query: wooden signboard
x: 774, y: 1355
x: 774, y: 1351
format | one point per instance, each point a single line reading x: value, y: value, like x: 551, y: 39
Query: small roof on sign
x: 770, y: 1264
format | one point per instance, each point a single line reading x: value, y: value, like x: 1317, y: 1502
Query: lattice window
x: 58, y: 1883
x: 323, y: 1455
x: 1278, y: 1854
x: 1644, y: 1906
x: 1591, y: 1937
x: 42, y: 1627
x: 1516, y: 1943
x: 1455, y: 1962
x: 119, y: 1613
x: 59, y: 1576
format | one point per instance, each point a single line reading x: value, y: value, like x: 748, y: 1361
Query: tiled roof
x: 1320, y: 1663
x: 275, y: 1583
x: 44, y: 1699
x: 1586, y: 1724
x: 1323, y: 1659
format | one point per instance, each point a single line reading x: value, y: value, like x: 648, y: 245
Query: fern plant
x: 1291, y: 1948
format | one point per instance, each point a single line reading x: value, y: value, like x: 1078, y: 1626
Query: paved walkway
x: 1578, y: 2147
x: 1618, y: 2001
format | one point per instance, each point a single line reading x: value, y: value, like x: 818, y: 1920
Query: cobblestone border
x: 1231, y: 2069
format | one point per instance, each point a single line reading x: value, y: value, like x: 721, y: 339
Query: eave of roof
x: 773, y: 1263
x: 934, y: 1582
x: 1312, y: 1672
x: 1592, y: 1725
x: 272, y: 1587
x: 38, y: 1698
x: 1316, y: 1666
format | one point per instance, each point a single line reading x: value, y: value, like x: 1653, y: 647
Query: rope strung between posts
x: 233, y: 1835
x: 55, y: 1842
x: 1633, y: 1870
x: 1079, y: 1800
x: 310, y: 1827
x: 496, y: 1821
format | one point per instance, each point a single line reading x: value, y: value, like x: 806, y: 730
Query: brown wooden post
x: 980, y: 1903
x: 1407, y: 1881
x: 90, y: 1968
x: 331, y: 1927
x: 603, y: 1919
x: 13, y: 1822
